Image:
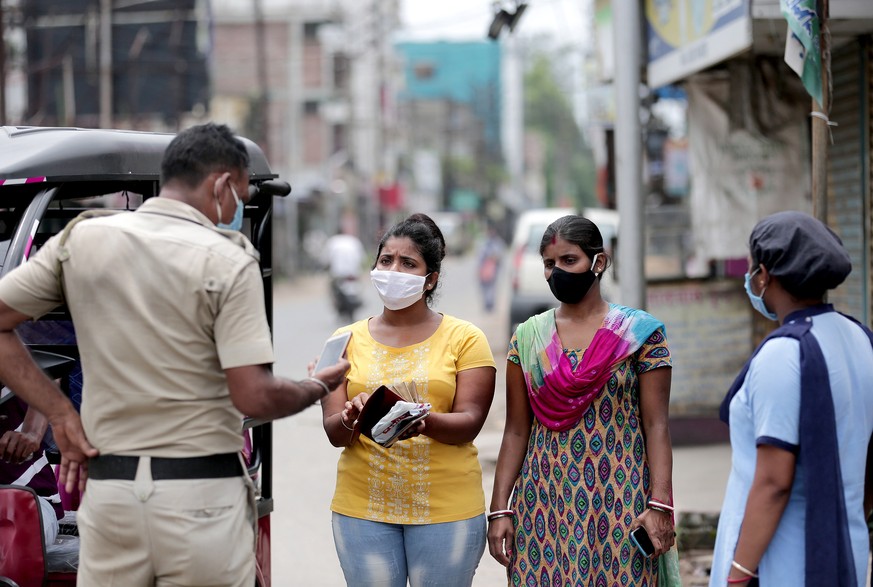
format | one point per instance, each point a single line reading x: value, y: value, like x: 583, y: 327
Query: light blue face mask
x: 237, y: 221
x: 758, y: 301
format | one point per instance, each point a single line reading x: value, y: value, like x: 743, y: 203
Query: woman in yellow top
x: 415, y: 511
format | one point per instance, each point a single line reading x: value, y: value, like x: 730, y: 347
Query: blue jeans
x: 377, y: 554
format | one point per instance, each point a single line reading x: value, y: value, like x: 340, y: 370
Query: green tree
x: 569, y: 162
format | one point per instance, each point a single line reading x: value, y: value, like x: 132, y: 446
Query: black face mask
x: 570, y: 288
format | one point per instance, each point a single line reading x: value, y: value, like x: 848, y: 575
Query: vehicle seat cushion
x: 21, y: 549
x: 63, y: 555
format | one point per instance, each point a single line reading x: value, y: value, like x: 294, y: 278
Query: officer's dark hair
x: 427, y: 238
x: 200, y: 150
x: 579, y: 231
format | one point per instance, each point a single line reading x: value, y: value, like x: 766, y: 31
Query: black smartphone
x: 640, y: 538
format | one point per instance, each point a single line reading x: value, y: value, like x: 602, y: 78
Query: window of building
x: 310, y: 30
x: 424, y: 70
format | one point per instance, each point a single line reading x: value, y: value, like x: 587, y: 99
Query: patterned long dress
x: 579, y: 490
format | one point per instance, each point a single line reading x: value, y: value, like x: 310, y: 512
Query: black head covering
x: 806, y: 256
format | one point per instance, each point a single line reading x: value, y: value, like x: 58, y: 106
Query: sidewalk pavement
x: 699, y: 478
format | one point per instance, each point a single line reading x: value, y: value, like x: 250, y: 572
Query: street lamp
x: 504, y: 18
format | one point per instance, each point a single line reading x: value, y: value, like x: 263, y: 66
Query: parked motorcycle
x: 346, y: 295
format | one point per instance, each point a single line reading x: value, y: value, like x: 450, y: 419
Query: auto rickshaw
x: 47, y: 177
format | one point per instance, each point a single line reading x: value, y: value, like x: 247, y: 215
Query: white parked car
x: 530, y: 294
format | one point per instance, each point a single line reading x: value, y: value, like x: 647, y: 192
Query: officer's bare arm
x: 257, y: 393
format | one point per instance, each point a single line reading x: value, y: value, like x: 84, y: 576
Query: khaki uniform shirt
x: 162, y: 301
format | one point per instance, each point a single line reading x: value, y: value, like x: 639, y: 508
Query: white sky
x: 568, y: 22
x: 469, y: 19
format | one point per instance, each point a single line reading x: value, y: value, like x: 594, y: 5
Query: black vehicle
x: 47, y: 177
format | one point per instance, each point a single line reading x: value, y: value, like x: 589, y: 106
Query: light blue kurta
x: 766, y: 410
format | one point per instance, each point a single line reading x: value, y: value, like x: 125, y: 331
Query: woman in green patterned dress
x: 586, y: 454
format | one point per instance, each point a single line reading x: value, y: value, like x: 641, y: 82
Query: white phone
x: 332, y: 351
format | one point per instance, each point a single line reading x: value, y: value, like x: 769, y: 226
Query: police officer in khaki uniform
x: 174, y: 342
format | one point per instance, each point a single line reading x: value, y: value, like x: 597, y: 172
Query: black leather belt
x: 124, y: 467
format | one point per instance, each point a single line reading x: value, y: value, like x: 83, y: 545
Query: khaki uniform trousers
x: 167, y: 533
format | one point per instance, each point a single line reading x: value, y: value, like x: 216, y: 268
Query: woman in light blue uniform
x: 801, y: 417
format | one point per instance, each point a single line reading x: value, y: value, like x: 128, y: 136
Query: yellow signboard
x: 686, y: 36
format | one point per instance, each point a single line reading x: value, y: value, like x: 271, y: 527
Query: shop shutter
x: 849, y: 168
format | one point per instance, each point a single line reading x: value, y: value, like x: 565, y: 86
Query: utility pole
x: 106, y: 64
x: 379, y: 45
x: 513, y: 118
x: 821, y: 133
x: 2, y: 65
x: 261, y: 133
x: 381, y: 168
x: 448, y: 160
x: 628, y: 153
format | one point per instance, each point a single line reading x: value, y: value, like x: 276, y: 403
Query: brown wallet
x: 378, y: 404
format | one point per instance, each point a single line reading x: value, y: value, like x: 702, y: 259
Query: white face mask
x: 398, y: 290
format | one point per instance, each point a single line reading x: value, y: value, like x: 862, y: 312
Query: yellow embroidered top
x: 420, y: 480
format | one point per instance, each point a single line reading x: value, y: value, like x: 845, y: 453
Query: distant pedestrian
x: 415, y: 511
x: 586, y: 455
x: 168, y: 307
x: 801, y: 418
x: 344, y: 256
x: 490, y: 260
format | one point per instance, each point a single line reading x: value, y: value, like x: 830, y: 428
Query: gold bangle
x: 346, y: 426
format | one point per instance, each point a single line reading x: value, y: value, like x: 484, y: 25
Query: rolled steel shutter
x: 849, y: 168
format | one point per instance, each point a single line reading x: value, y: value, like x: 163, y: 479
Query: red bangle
x: 740, y: 580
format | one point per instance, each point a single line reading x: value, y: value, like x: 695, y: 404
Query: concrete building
x: 450, y: 105
x: 94, y: 64
x: 310, y: 80
x: 750, y: 154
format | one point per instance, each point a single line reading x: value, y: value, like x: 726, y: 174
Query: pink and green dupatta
x: 559, y: 395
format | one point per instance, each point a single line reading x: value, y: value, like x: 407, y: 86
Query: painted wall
x: 709, y: 331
